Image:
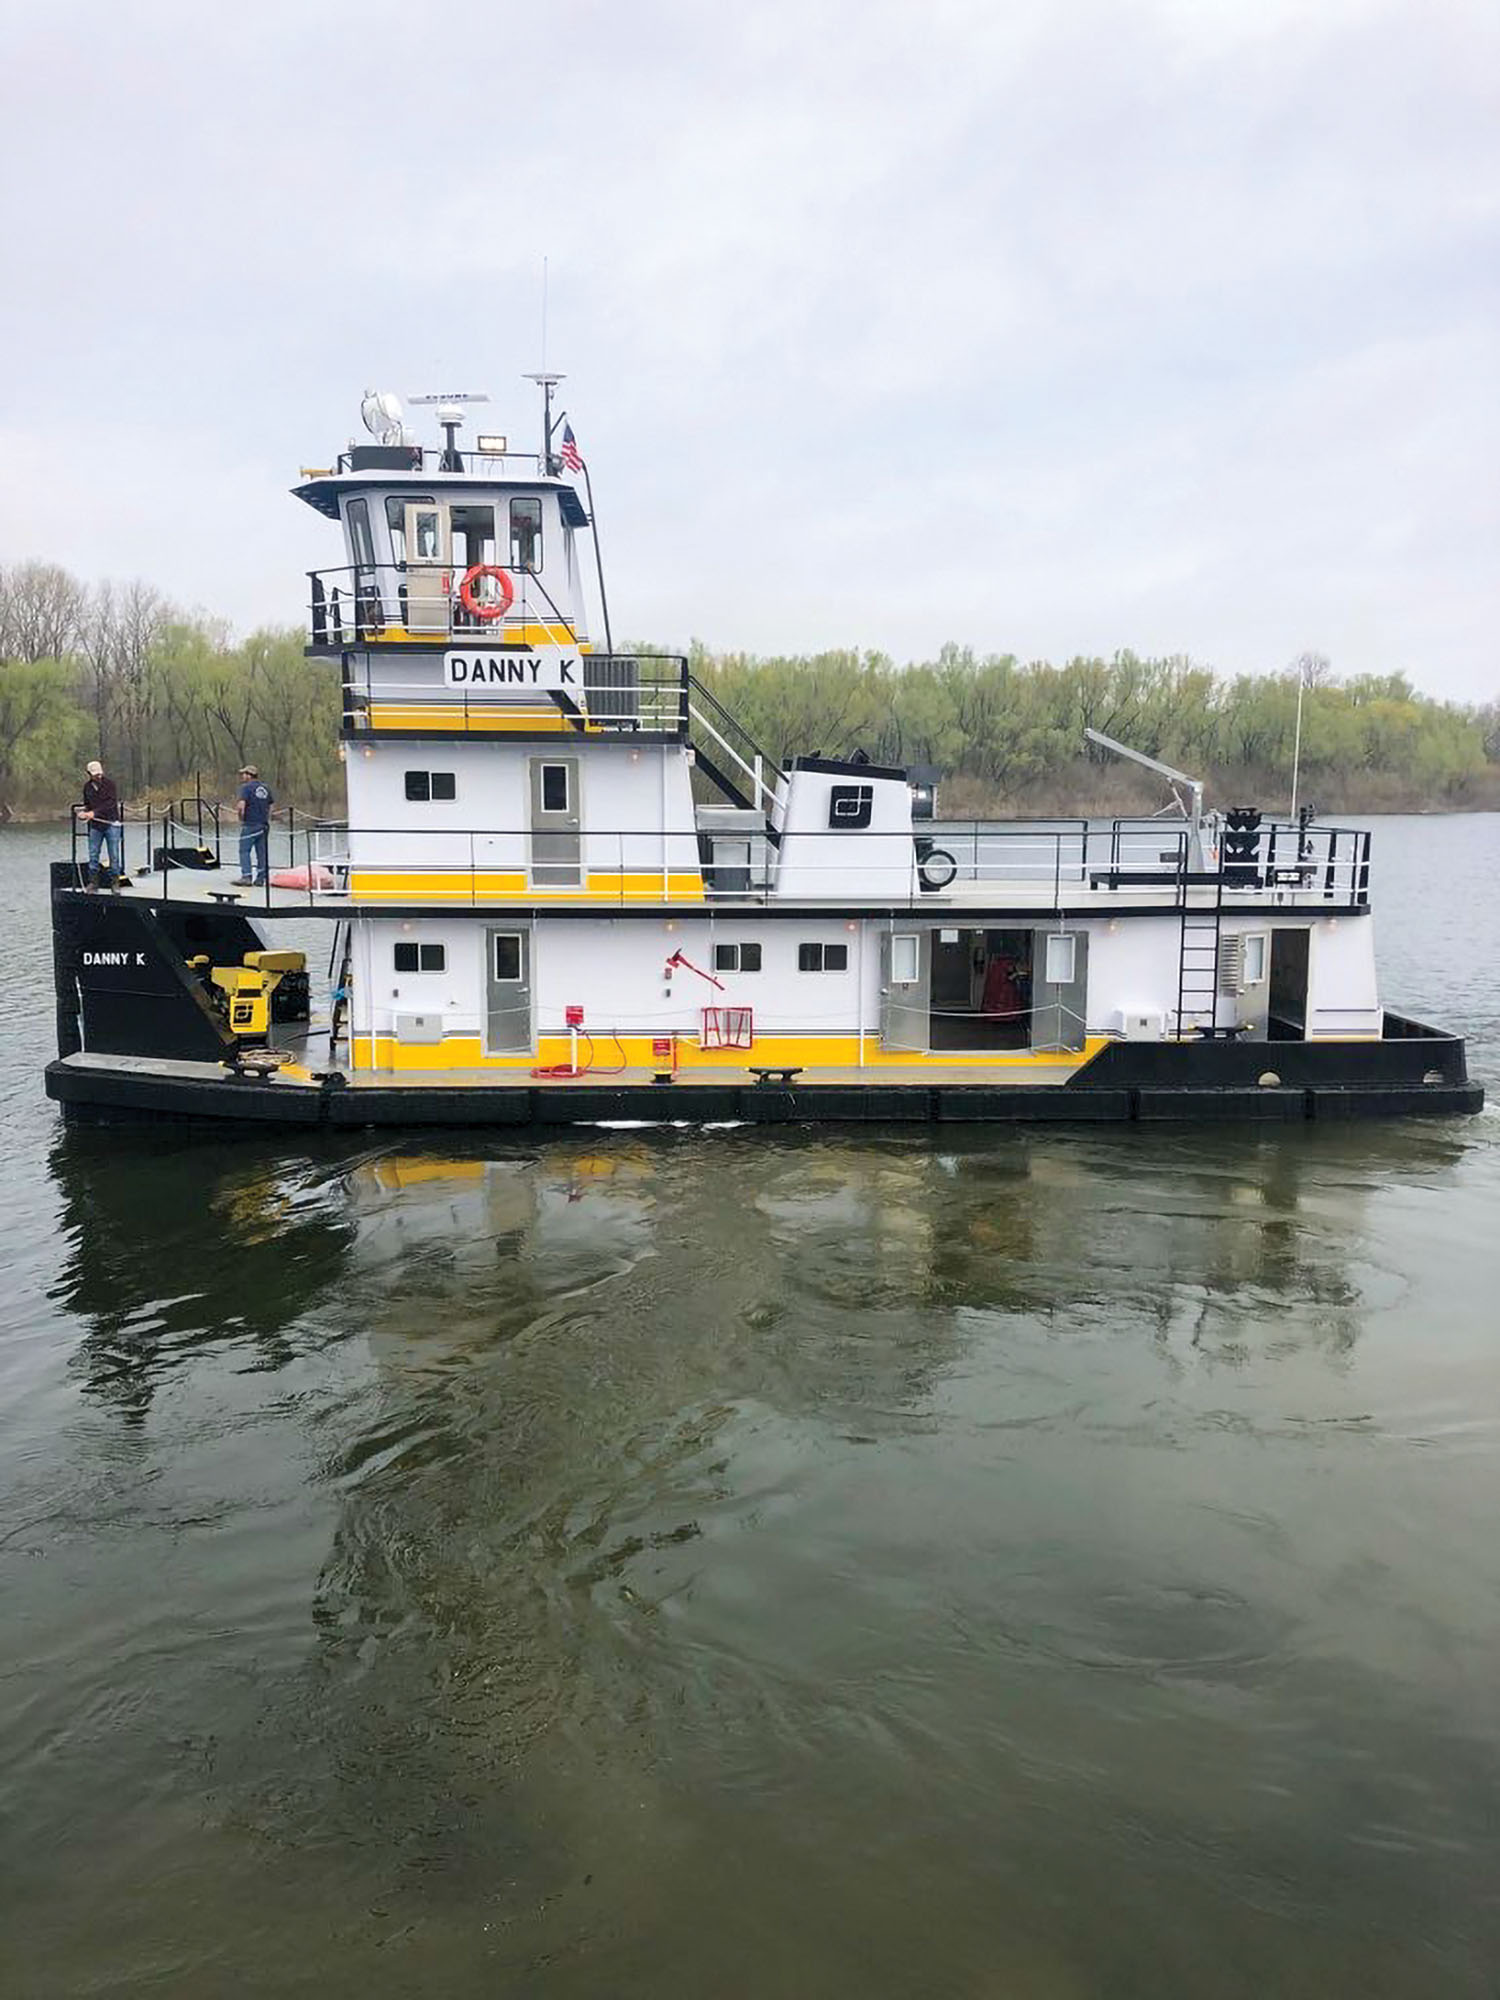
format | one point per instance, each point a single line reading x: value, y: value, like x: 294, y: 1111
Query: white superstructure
x: 562, y: 856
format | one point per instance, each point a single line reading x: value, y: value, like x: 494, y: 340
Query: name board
x: 518, y: 673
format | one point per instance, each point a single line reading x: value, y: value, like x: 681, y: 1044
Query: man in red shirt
x: 101, y: 811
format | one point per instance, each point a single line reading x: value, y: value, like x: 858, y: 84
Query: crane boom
x: 1194, y: 786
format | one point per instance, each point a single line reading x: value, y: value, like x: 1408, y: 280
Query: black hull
x: 101, y: 1092
x: 155, y: 1049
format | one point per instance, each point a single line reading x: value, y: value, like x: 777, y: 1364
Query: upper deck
x: 1079, y: 867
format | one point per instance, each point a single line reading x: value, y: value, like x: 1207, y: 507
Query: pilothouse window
x: 358, y: 517
x: 473, y: 536
x: 395, y: 518
x: 526, y: 534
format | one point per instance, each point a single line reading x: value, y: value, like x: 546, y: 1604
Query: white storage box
x: 1138, y: 1024
x: 419, y: 1027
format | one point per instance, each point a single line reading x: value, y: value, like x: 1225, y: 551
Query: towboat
x: 569, y: 887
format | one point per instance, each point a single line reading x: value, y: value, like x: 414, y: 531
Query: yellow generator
x: 248, y: 988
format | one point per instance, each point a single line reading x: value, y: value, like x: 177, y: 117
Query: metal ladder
x: 1198, y: 942
x: 340, y: 952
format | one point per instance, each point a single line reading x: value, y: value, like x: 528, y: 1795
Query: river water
x: 1011, y: 1563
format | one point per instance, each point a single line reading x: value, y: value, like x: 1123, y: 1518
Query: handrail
x: 1074, y: 864
x: 367, y: 587
x: 437, y: 458
x: 696, y: 686
x: 651, y: 701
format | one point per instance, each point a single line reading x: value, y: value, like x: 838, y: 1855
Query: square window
x: 736, y: 958
x: 508, y: 956
x: 822, y: 958
x: 418, y: 785
x: 554, y: 788
x: 444, y: 785
x: 432, y: 957
x: 406, y: 958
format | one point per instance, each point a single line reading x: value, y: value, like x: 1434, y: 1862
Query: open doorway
x: 1286, y: 1013
x: 981, y: 989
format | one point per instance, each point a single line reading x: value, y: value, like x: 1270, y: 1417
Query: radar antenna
x: 450, y: 414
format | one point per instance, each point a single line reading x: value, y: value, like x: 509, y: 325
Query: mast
x: 547, y: 383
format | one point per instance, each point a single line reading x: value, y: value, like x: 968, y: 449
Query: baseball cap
x: 94, y: 768
x: 248, y: 771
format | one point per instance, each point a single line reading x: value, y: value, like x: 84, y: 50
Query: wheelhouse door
x: 429, y: 566
x: 507, y: 1011
x: 905, y: 989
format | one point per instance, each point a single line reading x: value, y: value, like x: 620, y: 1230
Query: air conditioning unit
x: 1138, y: 1024
x: 419, y: 1027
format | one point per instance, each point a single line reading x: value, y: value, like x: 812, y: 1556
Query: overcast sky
x: 1047, y: 328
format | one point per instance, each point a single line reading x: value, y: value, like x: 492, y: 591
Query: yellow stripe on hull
x: 372, y: 886
x: 807, y: 1052
x: 492, y: 720
x: 514, y: 635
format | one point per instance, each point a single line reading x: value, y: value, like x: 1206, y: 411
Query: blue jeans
x: 112, y: 832
x: 255, y: 852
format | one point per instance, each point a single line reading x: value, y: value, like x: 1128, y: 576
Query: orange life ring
x: 492, y: 608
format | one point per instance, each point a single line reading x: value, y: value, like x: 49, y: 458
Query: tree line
x: 169, y: 700
x: 160, y: 693
x: 1008, y: 736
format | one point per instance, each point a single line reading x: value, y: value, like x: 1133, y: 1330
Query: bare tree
x: 41, y: 611
x: 1314, y: 670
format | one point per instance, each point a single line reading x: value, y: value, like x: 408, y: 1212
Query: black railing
x: 629, y: 694
x: 1052, y: 864
x: 359, y: 604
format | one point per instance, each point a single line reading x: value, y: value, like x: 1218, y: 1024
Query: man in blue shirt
x: 254, y: 807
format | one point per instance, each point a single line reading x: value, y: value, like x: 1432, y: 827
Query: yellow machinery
x: 247, y: 987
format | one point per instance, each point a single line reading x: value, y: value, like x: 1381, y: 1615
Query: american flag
x: 570, y: 455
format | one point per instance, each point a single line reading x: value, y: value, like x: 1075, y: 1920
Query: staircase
x: 735, y: 765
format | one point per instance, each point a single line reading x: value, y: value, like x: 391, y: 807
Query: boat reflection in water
x: 711, y: 1531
